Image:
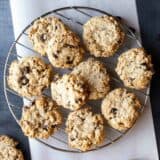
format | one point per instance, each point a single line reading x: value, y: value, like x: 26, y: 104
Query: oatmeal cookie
x: 70, y: 91
x: 121, y: 109
x: 43, y: 30
x: 95, y: 73
x: 103, y: 36
x: 134, y: 68
x: 29, y: 76
x: 8, y: 150
x: 41, y: 119
x: 5, y: 140
x: 65, y: 51
x: 85, y: 129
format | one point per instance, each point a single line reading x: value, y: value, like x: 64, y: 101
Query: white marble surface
x: 139, y: 143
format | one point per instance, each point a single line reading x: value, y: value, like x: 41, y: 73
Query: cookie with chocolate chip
x: 65, y: 51
x: 29, y: 76
x: 51, y: 37
x: 43, y: 30
x: 41, y: 119
x: 8, y: 150
x: 135, y: 68
x: 121, y: 109
x: 85, y: 129
x: 70, y: 91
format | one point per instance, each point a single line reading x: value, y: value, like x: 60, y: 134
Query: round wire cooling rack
x: 75, y: 17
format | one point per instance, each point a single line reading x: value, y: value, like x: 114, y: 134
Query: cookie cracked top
x: 103, y: 36
x: 96, y: 75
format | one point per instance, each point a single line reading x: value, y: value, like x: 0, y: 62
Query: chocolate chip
x: 68, y: 58
x: 56, y: 27
x: 146, y: 66
x: 55, y: 56
x: 72, y: 139
x: 102, y: 70
x: 121, y: 124
x: 53, y: 126
x: 114, y: 110
x: 24, y: 80
x: 78, y: 100
x: 119, y: 41
x: 69, y: 61
x: 33, y: 102
x: 119, y: 18
x: 45, y: 127
x: 43, y: 37
x: 25, y: 108
x: 26, y: 70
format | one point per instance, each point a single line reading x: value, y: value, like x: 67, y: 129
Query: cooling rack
x: 75, y: 17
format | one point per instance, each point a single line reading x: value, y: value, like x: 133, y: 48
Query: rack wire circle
x: 68, y: 14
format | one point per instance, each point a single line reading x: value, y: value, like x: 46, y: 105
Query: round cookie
x: 65, y: 51
x: 41, y: 119
x: 29, y: 76
x: 70, y: 91
x: 85, y: 129
x: 103, y: 36
x: 43, y: 30
x: 94, y: 72
x: 121, y: 109
x: 134, y: 68
x: 8, y: 150
x: 5, y: 140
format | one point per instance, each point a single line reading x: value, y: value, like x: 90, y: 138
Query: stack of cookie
x: 88, y: 80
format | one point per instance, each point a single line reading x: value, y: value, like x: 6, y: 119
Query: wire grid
x: 15, y: 102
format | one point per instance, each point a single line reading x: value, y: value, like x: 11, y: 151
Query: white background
x: 139, y: 143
